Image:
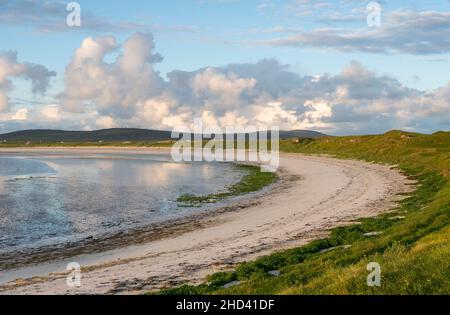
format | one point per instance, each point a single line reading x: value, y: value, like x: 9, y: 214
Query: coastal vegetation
x: 410, y: 242
x: 253, y: 180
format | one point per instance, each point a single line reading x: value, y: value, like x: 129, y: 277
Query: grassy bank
x: 252, y: 181
x: 411, y: 243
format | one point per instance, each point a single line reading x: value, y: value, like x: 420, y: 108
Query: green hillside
x: 105, y: 135
x: 114, y: 137
x: 413, y: 250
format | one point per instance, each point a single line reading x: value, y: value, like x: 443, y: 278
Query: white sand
x: 331, y: 192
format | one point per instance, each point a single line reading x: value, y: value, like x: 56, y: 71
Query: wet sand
x: 312, y: 195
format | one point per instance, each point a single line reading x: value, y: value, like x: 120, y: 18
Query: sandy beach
x: 312, y: 195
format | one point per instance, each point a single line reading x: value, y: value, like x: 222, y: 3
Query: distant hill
x: 301, y: 134
x: 106, y: 135
x: 116, y: 134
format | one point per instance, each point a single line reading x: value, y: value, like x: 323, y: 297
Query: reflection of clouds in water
x: 157, y: 174
x: 152, y: 175
x: 174, y: 166
x: 147, y: 175
x: 92, y: 196
x: 207, y: 171
x: 20, y: 166
x: 174, y: 174
x: 104, y: 164
x: 54, y: 166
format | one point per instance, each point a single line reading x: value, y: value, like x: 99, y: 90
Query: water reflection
x: 58, y: 198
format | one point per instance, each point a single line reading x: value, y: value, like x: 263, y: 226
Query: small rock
x: 400, y: 217
x: 372, y: 234
x: 274, y: 273
x: 325, y: 250
x: 231, y: 284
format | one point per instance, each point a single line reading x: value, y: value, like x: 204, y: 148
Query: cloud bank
x: 112, y: 84
x: 50, y: 17
x: 401, y: 31
x: 10, y: 68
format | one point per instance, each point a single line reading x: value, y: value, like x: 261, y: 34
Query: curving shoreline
x: 151, y: 231
x: 332, y: 192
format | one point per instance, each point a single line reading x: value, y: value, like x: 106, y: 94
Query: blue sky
x: 306, y: 38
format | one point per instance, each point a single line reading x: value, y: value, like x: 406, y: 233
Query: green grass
x: 252, y: 181
x: 413, y: 249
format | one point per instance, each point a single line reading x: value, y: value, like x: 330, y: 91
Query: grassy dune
x: 413, y: 248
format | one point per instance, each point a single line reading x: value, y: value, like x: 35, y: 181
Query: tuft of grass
x: 252, y: 181
x: 413, y: 251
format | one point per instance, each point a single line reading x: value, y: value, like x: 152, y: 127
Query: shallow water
x: 56, y: 198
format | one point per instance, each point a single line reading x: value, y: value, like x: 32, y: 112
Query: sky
x: 339, y: 67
